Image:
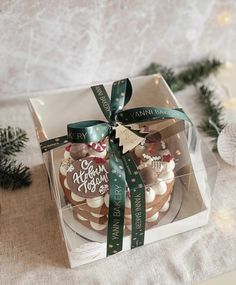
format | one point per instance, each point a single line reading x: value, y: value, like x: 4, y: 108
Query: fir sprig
x: 191, y: 75
x: 213, y: 123
x: 12, y: 140
x: 12, y: 175
x: 167, y: 73
x: 198, y: 71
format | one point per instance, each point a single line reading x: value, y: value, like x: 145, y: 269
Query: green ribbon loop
x: 122, y: 167
x: 87, y: 131
x: 147, y: 114
x: 120, y: 96
x: 103, y: 100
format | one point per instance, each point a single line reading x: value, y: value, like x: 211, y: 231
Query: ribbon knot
x: 113, y: 120
x: 123, y: 170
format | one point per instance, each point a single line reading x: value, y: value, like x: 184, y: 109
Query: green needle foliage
x: 194, y: 73
x: 167, y: 73
x: 12, y: 174
x: 191, y: 75
x: 12, y: 140
x: 198, y: 71
x: 212, y: 124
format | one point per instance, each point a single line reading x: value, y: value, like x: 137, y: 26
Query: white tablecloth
x: 32, y: 251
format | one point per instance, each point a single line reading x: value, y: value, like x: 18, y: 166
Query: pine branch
x: 13, y: 175
x: 198, y: 71
x: 213, y: 123
x: 12, y: 140
x: 191, y: 75
x: 167, y: 73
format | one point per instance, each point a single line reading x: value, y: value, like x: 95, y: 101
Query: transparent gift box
x: 177, y: 168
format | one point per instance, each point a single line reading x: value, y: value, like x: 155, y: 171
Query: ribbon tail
x: 123, y: 169
x: 137, y: 191
x: 53, y: 143
x: 116, y: 200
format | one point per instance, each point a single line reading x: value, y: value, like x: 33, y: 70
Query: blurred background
x: 60, y: 43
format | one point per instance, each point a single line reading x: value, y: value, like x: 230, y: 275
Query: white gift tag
x: 127, y: 139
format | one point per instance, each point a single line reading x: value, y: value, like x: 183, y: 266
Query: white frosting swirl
x: 153, y: 218
x: 169, y: 166
x: 76, y: 197
x: 67, y: 154
x: 160, y: 188
x: 66, y: 184
x: 63, y: 169
x: 96, y: 215
x: 81, y: 218
x: 106, y: 200
x: 98, y: 227
x: 165, y: 207
x: 149, y: 194
x: 95, y: 202
x: 168, y: 177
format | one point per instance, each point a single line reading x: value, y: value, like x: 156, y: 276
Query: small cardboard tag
x: 127, y: 139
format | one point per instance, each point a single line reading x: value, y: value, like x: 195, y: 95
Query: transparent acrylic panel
x: 177, y: 195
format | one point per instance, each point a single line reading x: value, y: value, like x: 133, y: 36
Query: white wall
x: 59, y: 43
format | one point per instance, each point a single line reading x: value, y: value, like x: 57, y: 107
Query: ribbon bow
x: 122, y: 167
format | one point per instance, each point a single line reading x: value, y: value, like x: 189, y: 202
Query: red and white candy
x: 99, y: 146
x: 97, y: 149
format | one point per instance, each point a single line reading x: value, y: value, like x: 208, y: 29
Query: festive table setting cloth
x: 32, y: 251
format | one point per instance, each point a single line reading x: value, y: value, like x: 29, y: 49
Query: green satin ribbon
x: 122, y: 167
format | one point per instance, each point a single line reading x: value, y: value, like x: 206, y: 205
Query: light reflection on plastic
x: 157, y: 79
x: 44, y: 133
x: 40, y: 101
